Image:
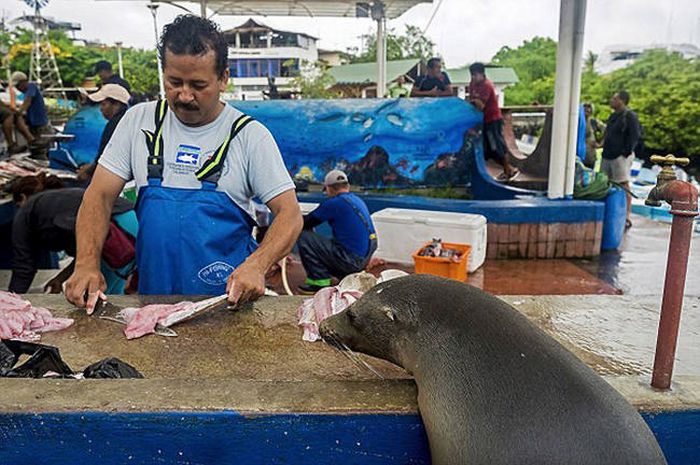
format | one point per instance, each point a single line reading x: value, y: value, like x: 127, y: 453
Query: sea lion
x: 492, y: 387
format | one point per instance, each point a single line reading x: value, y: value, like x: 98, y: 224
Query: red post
x: 683, y: 198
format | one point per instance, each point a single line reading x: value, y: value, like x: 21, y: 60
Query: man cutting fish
x: 197, y: 163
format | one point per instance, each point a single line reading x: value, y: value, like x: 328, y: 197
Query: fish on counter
x: 159, y: 317
x: 22, y: 321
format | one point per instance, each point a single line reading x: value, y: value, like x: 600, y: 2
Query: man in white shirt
x: 197, y: 163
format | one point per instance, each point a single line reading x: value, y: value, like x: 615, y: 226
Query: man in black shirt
x: 113, y: 100
x: 44, y: 223
x: 622, y: 133
x: 434, y: 84
x: 103, y: 69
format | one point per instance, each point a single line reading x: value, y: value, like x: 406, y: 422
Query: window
x: 261, y: 67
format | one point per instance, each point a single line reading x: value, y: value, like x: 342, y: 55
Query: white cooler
x: 400, y: 232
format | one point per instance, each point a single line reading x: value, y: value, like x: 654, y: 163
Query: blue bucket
x: 615, y: 217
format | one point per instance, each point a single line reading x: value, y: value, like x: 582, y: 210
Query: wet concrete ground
x: 637, y: 268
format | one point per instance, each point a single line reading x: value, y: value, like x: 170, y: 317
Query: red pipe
x: 683, y: 198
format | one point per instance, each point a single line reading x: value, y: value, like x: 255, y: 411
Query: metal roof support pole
x: 567, y: 87
x: 119, y: 58
x: 153, y: 7
x: 203, y: 8
x: 579, y: 22
x: 379, y: 16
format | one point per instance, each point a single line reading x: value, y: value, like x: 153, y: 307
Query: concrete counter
x: 253, y: 359
x: 242, y: 387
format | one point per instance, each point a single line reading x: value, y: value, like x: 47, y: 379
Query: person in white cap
x: 114, y: 101
x: 33, y: 108
x: 354, y: 236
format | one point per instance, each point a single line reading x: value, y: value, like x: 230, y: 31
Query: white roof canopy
x: 309, y: 8
x: 313, y: 8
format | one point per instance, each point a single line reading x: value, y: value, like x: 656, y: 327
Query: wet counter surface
x: 254, y: 360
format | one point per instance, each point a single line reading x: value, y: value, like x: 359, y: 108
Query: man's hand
x: 246, y: 283
x: 85, y: 282
x: 83, y: 173
x: 478, y: 104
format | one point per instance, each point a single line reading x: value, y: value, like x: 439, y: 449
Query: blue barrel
x: 615, y: 217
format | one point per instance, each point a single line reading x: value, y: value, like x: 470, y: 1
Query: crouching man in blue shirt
x: 354, y: 237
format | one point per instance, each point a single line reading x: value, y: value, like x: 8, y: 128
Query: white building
x: 257, y: 51
x: 615, y: 57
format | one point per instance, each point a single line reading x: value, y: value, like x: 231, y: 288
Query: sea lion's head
x: 383, y: 323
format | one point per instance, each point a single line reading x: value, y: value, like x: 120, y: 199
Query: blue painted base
x: 532, y: 210
x: 211, y: 438
x: 230, y: 438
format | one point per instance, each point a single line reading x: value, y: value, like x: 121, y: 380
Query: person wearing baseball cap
x: 354, y: 236
x: 114, y: 101
x: 33, y: 108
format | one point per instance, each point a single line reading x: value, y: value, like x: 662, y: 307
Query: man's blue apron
x: 189, y: 240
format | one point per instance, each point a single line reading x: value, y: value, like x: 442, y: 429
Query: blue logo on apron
x: 215, y: 273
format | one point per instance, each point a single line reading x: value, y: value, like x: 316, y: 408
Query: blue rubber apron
x: 189, y: 240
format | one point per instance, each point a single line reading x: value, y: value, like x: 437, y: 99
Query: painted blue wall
x: 379, y: 142
x: 229, y: 438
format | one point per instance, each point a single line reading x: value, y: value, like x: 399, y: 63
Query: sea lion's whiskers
x: 354, y: 357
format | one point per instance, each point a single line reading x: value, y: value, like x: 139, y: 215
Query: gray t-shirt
x: 253, y: 167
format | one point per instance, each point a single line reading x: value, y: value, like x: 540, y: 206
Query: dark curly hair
x: 29, y: 185
x: 192, y: 35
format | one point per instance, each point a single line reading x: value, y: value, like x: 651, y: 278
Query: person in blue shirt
x: 354, y: 237
x: 33, y: 105
x: 33, y: 108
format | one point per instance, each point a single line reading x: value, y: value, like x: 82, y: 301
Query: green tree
x: 664, y: 89
x: 76, y: 63
x: 411, y: 44
x: 534, y: 62
x: 589, y: 63
x: 313, y: 81
x: 665, y: 93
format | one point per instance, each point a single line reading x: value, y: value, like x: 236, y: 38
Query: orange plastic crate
x: 444, y: 267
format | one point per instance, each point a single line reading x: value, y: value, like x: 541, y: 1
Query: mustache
x: 187, y: 106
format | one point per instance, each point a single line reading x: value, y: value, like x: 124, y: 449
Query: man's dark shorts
x: 494, y: 144
x: 4, y: 114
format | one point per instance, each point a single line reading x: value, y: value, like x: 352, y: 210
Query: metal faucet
x: 683, y: 198
x: 666, y: 176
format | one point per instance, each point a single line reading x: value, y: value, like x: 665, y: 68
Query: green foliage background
x: 664, y: 89
x: 313, y: 81
x: 410, y: 44
x: 76, y: 63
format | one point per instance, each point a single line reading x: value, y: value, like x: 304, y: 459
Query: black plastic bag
x: 111, y: 368
x: 7, y: 359
x: 43, y: 359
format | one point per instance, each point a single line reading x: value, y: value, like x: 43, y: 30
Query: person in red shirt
x: 482, y: 95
